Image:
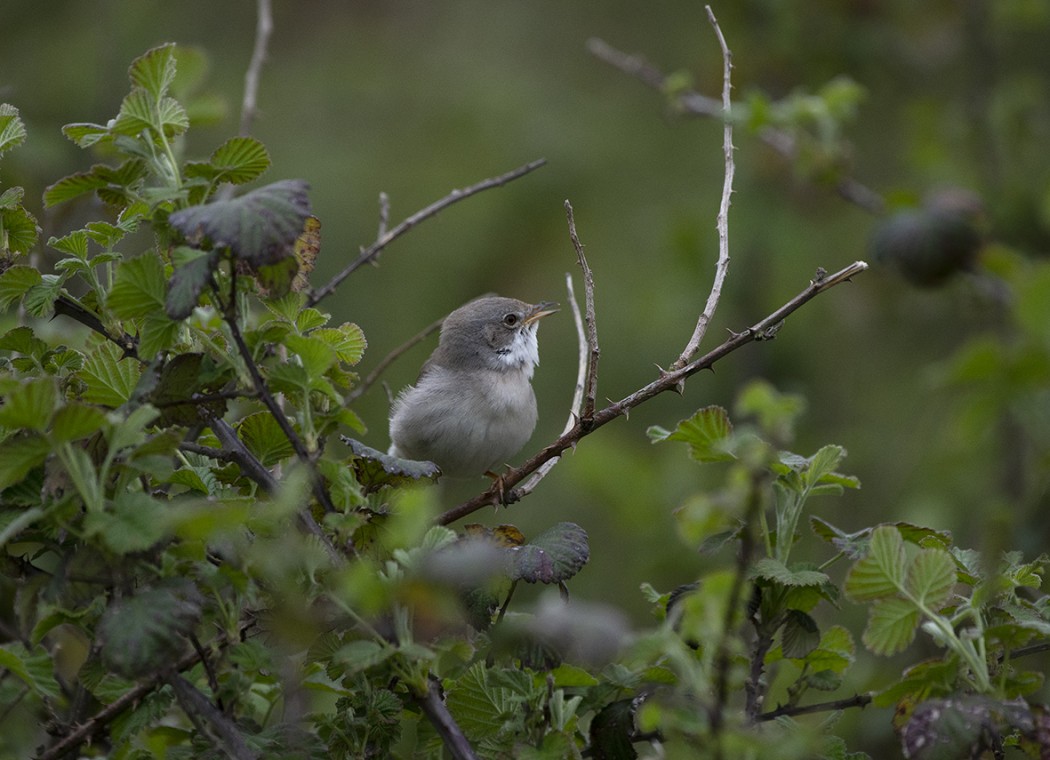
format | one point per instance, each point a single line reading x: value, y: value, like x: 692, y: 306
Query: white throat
x: 523, y: 353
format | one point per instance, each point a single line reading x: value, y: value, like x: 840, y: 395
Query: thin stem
x: 722, y: 267
x: 371, y: 253
x: 263, y: 30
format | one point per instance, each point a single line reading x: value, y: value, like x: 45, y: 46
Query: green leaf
x: 20, y: 454
x: 15, y: 282
x: 40, y: 299
x: 143, y: 632
x: 931, y: 577
x: 776, y: 412
x: 362, y: 654
x: 35, y: 669
x: 130, y: 432
x: 891, y: 625
x: 480, y: 708
x: 613, y: 730
x: 316, y: 355
x: 23, y: 341
x: 157, y: 334
x: 774, y: 570
x: 82, y: 472
x: 179, y: 380
x: 12, y: 130
x: 882, y: 572
x: 375, y: 470
x: 154, y: 70
x: 708, y: 433
x: 84, y: 135
x: 75, y: 421
x: 19, y: 229
x: 240, y: 160
x: 189, y: 280
x: 264, y: 438
x: 823, y: 463
x: 138, y: 288
x: 348, y: 340
x: 133, y: 523
x: 109, y: 379
x: 554, y: 556
x: 800, y: 635
x: 260, y: 227
x: 71, y: 187
x: 29, y: 405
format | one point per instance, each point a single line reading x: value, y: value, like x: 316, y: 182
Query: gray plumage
x: 473, y: 407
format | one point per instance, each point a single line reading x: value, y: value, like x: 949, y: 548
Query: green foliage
x: 182, y: 540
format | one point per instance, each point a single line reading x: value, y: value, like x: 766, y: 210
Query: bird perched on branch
x: 473, y: 407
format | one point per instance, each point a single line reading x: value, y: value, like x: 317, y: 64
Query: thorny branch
x: 695, y: 104
x: 593, y: 351
x: 433, y: 706
x: 263, y: 30
x: 722, y: 267
x: 371, y: 253
x: 764, y: 329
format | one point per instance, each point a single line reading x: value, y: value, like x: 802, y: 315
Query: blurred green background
x: 415, y: 98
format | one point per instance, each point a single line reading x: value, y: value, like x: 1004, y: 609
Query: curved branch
x: 764, y: 329
x: 263, y: 30
x: 371, y: 253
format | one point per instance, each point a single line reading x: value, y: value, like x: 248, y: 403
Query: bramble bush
x: 193, y: 565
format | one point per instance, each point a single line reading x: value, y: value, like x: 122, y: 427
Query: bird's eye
x: 510, y: 320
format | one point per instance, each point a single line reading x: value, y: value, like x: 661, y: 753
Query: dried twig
x: 263, y: 30
x: 389, y: 359
x: 694, y: 103
x: 764, y: 329
x: 371, y: 253
x: 722, y: 267
x: 593, y: 351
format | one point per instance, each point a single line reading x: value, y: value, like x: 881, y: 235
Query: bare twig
x: 582, y: 409
x: 594, y: 352
x: 371, y: 253
x: 263, y: 30
x: 384, y: 215
x: 858, y: 700
x: 764, y: 329
x: 694, y: 103
x: 433, y: 706
x: 722, y: 267
x: 389, y: 359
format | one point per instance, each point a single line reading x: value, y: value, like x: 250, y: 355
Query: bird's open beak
x: 540, y: 310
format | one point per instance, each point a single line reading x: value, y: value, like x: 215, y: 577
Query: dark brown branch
x: 693, y: 103
x: 390, y: 358
x: 371, y: 253
x: 195, y: 704
x: 433, y: 706
x: 205, y: 398
x: 594, y: 352
x: 67, y: 307
x: 858, y: 700
x: 764, y: 329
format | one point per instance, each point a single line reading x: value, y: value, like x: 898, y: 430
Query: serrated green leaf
x: 142, y: 632
x: 931, y: 577
x: 157, y: 334
x: 480, y: 708
x: 264, y: 438
x: 82, y: 472
x: 774, y: 570
x: 40, y: 299
x: 75, y: 421
x: 553, y: 556
x: 348, y: 340
x: 240, y: 160
x: 84, y: 134
x: 154, y: 70
x: 12, y: 129
x: 892, y: 623
x: 189, y: 280
x: 29, y: 405
x: 18, y: 229
x: 800, y: 635
x: 138, y: 287
x: 881, y: 573
x: 71, y: 187
x: 20, y: 454
x: 131, y: 431
x: 15, y: 282
x: 132, y: 523
x: 35, y: 669
x: 260, y: 227
x: 109, y: 379
x: 22, y: 340
x: 708, y: 433
x: 316, y: 355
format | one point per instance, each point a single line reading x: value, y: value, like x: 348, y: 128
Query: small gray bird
x: 472, y: 407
